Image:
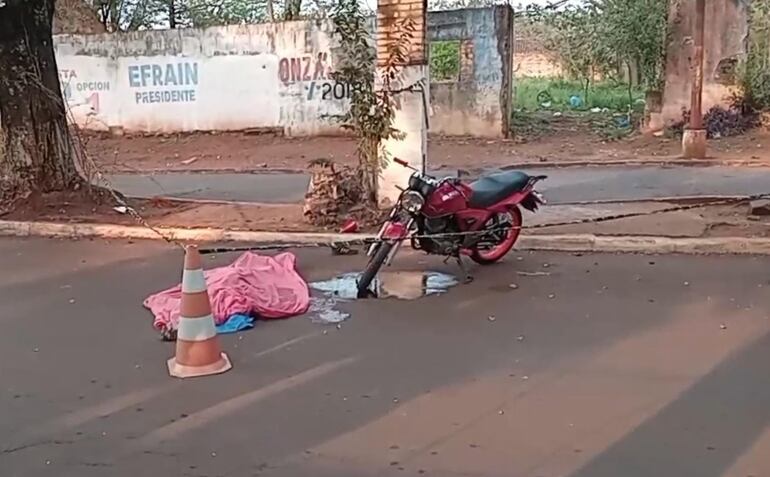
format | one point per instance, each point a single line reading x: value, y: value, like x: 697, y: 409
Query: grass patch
x: 530, y: 125
x: 445, y: 60
x: 605, y: 125
x: 531, y: 92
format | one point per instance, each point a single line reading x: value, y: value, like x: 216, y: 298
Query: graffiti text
x: 164, y: 75
x: 171, y: 74
x: 330, y: 90
x: 173, y: 96
x: 304, y: 68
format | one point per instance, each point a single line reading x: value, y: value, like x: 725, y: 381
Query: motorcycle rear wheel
x: 487, y: 257
x: 372, y: 268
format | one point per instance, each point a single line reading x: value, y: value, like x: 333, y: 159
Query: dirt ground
x: 73, y: 208
x: 79, y: 208
x: 254, y: 152
x: 241, y: 151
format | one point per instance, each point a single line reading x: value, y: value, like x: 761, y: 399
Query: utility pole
x: 694, y: 139
x: 410, y: 116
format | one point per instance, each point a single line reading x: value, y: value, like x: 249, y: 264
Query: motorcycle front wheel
x: 374, y: 265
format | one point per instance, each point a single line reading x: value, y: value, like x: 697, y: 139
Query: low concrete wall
x: 726, y: 32
x: 223, y: 78
x: 479, y: 102
x: 272, y: 76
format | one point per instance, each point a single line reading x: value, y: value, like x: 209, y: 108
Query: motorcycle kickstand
x: 467, y: 277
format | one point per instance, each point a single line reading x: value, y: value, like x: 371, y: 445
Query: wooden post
x: 694, y: 138
x: 696, y: 101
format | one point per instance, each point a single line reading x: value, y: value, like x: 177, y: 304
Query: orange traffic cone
x: 197, y: 346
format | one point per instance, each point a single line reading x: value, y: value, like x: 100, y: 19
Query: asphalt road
x: 597, y: 365
x: 563, y: 185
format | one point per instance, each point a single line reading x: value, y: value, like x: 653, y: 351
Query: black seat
x: 493, y: 188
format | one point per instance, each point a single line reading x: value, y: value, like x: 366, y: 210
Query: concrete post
x: 411, y: 112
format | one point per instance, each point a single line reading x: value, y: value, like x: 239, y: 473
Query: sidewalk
x: 569, y: 185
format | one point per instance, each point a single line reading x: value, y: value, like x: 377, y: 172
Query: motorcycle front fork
x: 397, y: 246
x: 467, y: 277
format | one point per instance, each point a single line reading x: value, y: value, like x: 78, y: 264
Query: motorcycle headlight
x: 412, y: 201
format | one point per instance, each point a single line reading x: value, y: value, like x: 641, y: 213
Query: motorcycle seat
x: 491, y: 189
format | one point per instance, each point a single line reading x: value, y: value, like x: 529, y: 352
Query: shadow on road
x: 704, y: 431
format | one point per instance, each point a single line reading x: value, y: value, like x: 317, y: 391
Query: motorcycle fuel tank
x: 447, y: 199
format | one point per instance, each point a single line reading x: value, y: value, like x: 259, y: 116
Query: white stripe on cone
x: 193, y: 281
x: 196, y: 329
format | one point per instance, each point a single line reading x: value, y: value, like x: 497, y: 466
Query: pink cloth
x: 254, y: 284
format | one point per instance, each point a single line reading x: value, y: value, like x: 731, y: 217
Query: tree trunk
x: 369, y: 163
x: 270, y: 11
x: 114, y: 16
x: 172, y: 14
x: 292, y: 9
x: 38, y: 147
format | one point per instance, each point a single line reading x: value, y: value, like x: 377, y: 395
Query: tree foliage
x: 444, y: 60
x: 373, y: 98
x: 635, y: 30
x: 205, y: 13
x: 607, y: 37
x: 131, y: 15
x: 756, y: 70
x: 455, y: 4
x: 573, y: 38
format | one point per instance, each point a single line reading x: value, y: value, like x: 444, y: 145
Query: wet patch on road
x: 403, y: 285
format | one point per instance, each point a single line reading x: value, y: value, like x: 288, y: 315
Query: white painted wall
x: 274, y: 76
x: 224, y: 78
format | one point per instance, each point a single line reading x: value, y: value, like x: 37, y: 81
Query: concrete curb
x: 662, y: 162
x: 686, y: 199
x: 11, y: 228
x: 207, y: 171
x: 646, y: 244
x: 564, y: 242
x: 240, y: 203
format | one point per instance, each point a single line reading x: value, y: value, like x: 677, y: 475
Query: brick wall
x: 527, y: 63
x: 391, y: 15
x: 466, y: 60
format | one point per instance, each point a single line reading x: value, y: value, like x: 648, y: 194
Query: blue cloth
x: 235, y: 323
x: 622, y: 121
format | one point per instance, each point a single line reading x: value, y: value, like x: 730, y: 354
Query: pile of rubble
x: 734, y: 120
x: 335, y: 194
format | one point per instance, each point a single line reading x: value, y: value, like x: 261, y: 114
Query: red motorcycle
x: 452, y: 218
